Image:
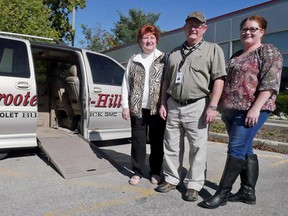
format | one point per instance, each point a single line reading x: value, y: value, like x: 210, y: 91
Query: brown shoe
x: 165, y: 187
x: 191, y: 195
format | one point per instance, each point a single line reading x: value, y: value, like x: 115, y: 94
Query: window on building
x: 278, y: 39
x: 226, y: 49
x: 284, y: 77
x: 236, y: 46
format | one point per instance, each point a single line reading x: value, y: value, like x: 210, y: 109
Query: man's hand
x: 163, y: 112
x: 210, y: 115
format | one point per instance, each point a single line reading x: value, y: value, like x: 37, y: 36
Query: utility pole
x: 73, y: 26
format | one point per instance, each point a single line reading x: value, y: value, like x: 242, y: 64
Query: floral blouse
x: 249, y: 74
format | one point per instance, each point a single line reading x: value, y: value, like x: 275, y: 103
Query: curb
x: 280, y: 147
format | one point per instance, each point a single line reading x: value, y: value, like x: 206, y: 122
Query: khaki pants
x: 185, y: 120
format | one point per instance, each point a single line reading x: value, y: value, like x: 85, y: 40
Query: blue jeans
x: 241, y: 136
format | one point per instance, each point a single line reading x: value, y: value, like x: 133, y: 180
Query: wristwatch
x: 214, y: 108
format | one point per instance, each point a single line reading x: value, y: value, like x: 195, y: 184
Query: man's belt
x: 186, y: 102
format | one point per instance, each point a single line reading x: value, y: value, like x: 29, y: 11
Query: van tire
x: 3, y: 154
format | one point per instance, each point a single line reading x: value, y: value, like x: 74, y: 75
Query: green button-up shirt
x: 200, y: 68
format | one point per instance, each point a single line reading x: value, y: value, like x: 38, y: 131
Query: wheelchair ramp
x: 71, y: 155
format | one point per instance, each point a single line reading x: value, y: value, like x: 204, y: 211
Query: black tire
x: 3, y: 154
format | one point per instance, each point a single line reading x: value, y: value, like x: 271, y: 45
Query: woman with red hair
x: 141, y: 90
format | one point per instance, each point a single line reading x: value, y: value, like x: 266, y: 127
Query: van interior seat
x: 60, y: 96
x: 73, y: 88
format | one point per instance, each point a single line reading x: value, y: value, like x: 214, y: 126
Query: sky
x: 105, y: 13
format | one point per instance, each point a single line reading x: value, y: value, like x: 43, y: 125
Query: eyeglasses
x: 195, y: 26
x: 251, y: 30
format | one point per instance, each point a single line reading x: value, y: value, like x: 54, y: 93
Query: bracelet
x: 214, y: 108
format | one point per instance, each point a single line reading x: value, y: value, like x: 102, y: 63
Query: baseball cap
x: 197, y: 15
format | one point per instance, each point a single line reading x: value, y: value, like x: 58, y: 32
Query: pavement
x: 30, y: 186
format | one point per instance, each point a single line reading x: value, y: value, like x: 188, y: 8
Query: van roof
x: 40, y: 41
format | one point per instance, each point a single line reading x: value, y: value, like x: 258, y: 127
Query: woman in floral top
x: 252, y: 83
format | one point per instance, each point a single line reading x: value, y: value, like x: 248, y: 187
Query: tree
x: 47, y: 18
x: 97, y: 39
x: 126, y: 29
x: 26, y: 17
x: 59, y: 17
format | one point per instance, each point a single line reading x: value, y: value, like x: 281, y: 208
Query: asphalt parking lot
x: 29, y: 185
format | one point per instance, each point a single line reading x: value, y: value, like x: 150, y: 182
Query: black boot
x: 231, y: 171
x: 249, y: 176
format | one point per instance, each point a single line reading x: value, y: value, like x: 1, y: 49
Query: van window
x: 104, y: 70
x: 14, y: 59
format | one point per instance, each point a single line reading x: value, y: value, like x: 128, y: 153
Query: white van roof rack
x: 30, y: 36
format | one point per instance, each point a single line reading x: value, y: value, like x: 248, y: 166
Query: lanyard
x: 185, y: 56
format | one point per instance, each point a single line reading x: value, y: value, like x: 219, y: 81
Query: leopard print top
x: 137, y: 79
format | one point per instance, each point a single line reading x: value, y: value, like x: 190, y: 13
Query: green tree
x: 59, y: 17
x: 126, y: 29
x: 97, y: 39
x: 26, y: 17
x: 47, y: 18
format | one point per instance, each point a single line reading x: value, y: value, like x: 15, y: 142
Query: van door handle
x: 23, y: 85
x: 97, y: 90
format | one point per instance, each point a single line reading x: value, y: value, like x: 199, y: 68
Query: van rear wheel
x: 3, y: 154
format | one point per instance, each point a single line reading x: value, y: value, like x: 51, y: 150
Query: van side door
x: 18, y: 101
x: 104, y: 78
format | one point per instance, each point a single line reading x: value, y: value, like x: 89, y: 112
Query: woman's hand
x: 252, y: 117
x: 254, y: 113
x: 126, y: 113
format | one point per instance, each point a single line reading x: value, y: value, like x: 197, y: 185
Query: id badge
x: 179, y: 77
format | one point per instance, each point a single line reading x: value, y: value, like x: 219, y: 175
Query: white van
x: 51, y: 87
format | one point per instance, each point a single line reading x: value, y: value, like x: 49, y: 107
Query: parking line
x: 80, y: 209
x: 280, y: 163
x: 7, y: 172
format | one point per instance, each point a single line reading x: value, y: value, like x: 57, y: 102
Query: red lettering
x: 8, y: 100
x: 114, y: 100
x: 33, y: 101
x: 102, y: 100
x: 111, y: 100
x: 18, y: 100
x: 2, y: 96
x: 119, y: 101
x: 26, y: 102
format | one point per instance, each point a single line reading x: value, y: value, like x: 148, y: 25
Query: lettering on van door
x: 107, y: 101
x: 11, y: 115
x: 103, y: 114
x: 18, y: 99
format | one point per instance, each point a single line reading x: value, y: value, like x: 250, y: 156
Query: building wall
x: 224, y: 30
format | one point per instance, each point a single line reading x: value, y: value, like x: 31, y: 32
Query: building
x: 224, y: 30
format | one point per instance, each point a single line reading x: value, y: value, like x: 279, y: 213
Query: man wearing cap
x: 192, y: 87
